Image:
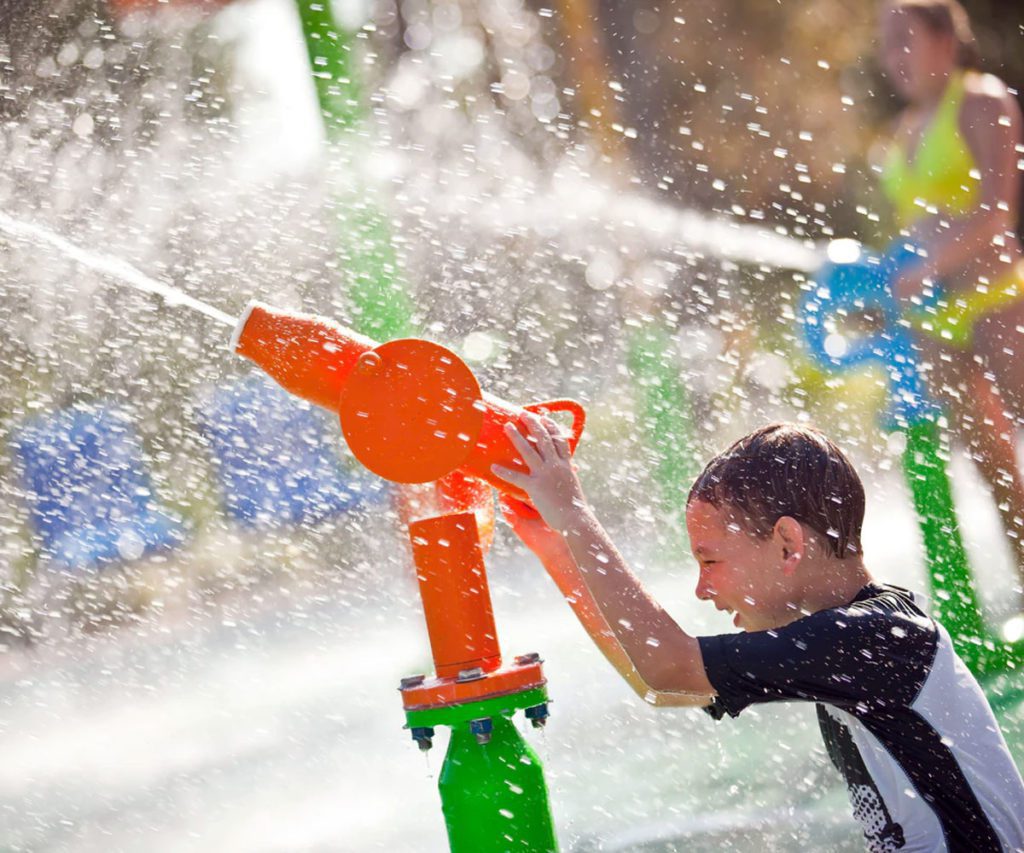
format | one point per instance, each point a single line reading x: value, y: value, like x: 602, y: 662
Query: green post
x: 957, y: 605
x: 663, y: 404
x: 331, y: 49
x: 382, y: 306
x: 493, y: 792
x: 956, y: 600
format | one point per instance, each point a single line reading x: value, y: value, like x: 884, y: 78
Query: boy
x: 775, y: 524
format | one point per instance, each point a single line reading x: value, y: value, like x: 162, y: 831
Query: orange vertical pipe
x: 456, y: 492
x: 456, y: 598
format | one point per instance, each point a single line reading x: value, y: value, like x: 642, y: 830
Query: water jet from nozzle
x: 110, y: 267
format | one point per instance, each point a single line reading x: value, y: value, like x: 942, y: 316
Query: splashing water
x: 109, y: 266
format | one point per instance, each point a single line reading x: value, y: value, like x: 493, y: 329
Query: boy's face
x: 739, y: 571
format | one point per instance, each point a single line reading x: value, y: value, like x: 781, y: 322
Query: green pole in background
x: 955, y: 598
x: 330, y: 49
x: 664, y: 410
x: 378, y: 295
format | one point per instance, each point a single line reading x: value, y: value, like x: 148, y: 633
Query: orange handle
x: 579, y: 416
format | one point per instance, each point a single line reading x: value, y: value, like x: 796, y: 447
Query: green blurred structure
x: 379, y: 297
x: 956, y: 601
x: 664, y: 411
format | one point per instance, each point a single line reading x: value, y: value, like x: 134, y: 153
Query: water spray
x: 411, y: 411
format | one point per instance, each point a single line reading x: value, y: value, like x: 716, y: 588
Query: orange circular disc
x: 411, y: 411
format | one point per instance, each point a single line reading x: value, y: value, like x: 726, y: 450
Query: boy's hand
x: 551, y: 481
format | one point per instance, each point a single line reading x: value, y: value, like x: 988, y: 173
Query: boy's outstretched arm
x: 659, y: 660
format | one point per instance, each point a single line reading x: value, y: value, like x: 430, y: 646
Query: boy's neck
x: 830, y: 583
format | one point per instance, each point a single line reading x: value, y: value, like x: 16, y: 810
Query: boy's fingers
x: 558, y: 439
x: 527, y: 448
x: 539, y: 433
x: 516, y: 478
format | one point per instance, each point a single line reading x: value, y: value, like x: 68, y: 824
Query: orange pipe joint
x: 411, y: 410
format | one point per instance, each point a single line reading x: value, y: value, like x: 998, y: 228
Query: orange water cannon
x: 411, y: 410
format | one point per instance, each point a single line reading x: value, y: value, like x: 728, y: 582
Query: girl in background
x: 952, y: 178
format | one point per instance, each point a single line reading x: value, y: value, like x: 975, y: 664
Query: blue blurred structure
x: 89, y: 494
x: 277, y: 457
x: 862, y: 284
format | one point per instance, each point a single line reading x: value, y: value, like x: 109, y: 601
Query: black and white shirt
x: 903, y: 720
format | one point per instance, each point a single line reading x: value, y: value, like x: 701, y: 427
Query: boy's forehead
x: 707, y: 521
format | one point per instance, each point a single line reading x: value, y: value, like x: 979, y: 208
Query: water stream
x: 110, y: 267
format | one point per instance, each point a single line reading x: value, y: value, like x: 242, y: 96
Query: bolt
x: 369, y: 362
x: 481, y: 729
x: 424, y: 737
x: 528, y: 658
x: 411, y: 681
x: 470, y: 674
x: 538, y: 715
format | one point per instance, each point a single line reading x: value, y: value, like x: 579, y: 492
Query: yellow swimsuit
x: 944, y: 178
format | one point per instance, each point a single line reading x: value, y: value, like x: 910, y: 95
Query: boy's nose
x: 705, y: 592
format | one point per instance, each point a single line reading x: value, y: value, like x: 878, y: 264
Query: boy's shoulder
x: 880, y: 617
x: 874, y: 652
x: 880, y: 601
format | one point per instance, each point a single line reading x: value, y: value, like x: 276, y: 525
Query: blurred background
x: 541, y: 185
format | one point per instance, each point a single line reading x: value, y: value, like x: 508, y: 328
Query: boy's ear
x: 789, y: 536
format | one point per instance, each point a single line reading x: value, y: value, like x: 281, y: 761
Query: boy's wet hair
x: 787, y: 470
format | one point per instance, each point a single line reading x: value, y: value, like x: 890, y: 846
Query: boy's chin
x: 745, y: 622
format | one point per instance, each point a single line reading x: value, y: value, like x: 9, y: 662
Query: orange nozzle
x: 411, y: 410
x: 307, y: 356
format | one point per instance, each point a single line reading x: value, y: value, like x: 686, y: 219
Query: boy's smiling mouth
x: 724, y: 608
